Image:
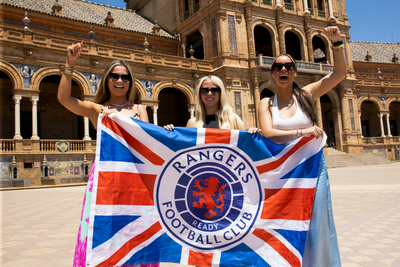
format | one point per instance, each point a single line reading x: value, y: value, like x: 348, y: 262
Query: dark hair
x: 304, y: 99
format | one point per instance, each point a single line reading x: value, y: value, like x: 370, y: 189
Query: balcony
x: 302, y: 66
x: 46, y: 147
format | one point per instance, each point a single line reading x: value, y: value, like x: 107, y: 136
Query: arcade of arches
x: 44, y: 143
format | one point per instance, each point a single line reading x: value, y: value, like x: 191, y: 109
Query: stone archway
x: 370, y: 120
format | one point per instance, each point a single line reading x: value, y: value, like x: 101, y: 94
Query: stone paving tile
x: 42, y: 230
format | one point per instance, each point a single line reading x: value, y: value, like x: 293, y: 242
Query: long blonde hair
x: 103, y: 93
x: 227, y: 118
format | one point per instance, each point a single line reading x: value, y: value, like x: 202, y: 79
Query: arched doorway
x: 266, y: 93
x: 319, y: 50
x: 262, y: 40
x: 328, y: 119
x: 394, y: 118
x: 51, y: 113
x: 6, y: 107
x: 292, y: 44
x: 370, y: 123
x: 172, y: 108
x: 196, y: 41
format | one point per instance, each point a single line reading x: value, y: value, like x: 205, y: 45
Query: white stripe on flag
x: 108, y: 248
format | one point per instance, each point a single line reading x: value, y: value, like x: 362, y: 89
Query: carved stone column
x: 381, y: 123
x: 307, y: 28
x: 34, y: 100
x: 345, y: 112
x: 250, y: 36
x: 320, y: 124
x: 17, y: 115
x: 279, y: 25
x: 331, y: 17
x: 86, y: 127
x: 359, y: 120
x: 155, y: 117
x: 388, y: 125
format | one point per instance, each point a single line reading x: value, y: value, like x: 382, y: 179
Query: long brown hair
x: 304, y: 99
x: 103, y: 92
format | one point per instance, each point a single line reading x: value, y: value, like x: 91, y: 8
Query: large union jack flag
x: 202, y: 197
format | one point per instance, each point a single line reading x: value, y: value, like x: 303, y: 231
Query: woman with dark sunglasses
x: 115, y: 94
x: 290, y: 114
x: 212, y: 109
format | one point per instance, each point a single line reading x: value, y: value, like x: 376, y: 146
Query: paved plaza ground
x: 39, y: 226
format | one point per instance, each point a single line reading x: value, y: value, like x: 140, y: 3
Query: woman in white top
x: 291, y: 114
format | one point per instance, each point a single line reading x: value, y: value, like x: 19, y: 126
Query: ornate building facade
x: 170, y: 44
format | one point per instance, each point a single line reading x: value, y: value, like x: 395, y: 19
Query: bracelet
x: 337, y: 47
x: 298, y: 133
x: 68, y: 72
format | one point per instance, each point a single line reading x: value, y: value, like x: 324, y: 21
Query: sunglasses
x: 279, y: 66
x: 214, y: 91
x: 115, y: 77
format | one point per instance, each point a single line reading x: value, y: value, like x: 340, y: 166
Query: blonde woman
x: 212, y: 109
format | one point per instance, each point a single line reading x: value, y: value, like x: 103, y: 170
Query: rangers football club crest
x: 200, y: 196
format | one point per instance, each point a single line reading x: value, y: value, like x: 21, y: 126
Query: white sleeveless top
x: 298, y: 121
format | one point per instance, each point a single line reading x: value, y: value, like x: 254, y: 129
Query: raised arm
x: 87, y: 109
x: 321, y: 87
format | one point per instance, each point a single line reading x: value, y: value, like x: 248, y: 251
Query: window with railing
x: 196, y: 6
x: 321, y: 9
x: 310, y: 7
x: 288, y: 4
x: 185, y: 9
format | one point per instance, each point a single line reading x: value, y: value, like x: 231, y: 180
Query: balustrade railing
x: 302, y: 66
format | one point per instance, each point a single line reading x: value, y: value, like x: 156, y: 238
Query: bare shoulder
x: 265, y: 102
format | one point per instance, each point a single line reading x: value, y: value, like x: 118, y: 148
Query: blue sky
x: 370, y: 20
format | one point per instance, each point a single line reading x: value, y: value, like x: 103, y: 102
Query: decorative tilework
x: 383, y: 101
x: 4, y: 170
x: 149, y: 85
x: 26, y: 71
x: 353, y: 125
x: 93, y: 79
x: 238, y: 104
x: 214, y: 36
x: 192, y: 87
x: 232, y: 34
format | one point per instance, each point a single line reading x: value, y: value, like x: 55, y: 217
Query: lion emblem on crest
x: 206, y: 195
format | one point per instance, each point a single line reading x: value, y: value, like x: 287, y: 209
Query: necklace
x: 117, y: 105
x: 288, y: 104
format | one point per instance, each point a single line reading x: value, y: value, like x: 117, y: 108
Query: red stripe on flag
x: 200, y: 259
x: 217, y: 136
x: 125, y: 188
x: 133, y: 142
x: 274, y: 242
x: 288, y: 203
x: 131, y: 244
x: 275, y: 164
